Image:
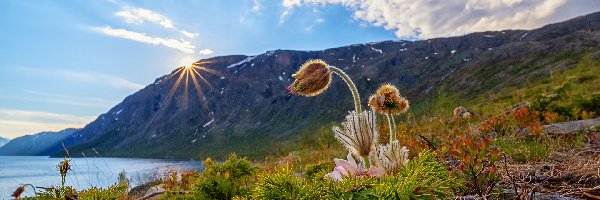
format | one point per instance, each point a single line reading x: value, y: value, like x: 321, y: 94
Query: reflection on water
x: 85, y: 172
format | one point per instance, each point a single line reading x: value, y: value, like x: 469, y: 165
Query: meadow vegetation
x: 496, y: 147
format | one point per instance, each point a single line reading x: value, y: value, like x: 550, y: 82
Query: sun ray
x: 212, y: 71
x: 185, y: 73
x: 173, y: 89
x: 198, y: 90
x: 173, y: 74
x: 203, y: 79
x: 185, y: 91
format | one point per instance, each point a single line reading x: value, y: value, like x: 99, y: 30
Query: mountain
x: 248, y: 109
x: 3, y: 141
x: 35, y: 145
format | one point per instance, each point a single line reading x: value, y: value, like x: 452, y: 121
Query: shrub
x: 474, y: 159
x: 226, y: 180
x: 283, y: 184
x: 423, y: 178
x: 316, y: 171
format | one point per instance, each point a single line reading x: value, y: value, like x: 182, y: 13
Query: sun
x: 189, y: 74
x: 185, y: 61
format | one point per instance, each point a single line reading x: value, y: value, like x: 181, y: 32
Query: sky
x: 63, y: 63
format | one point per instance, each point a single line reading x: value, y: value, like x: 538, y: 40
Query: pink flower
x: 347, y: 168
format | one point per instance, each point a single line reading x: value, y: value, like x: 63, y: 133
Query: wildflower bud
x: 387, y: 100
x: 313, y: 78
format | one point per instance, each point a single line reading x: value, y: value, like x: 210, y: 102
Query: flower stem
x: 350, y: 84
x: 392, y: 126
x: 367, y: 164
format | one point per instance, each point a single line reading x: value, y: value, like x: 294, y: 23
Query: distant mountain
x: 248, y: 110
x: 3, y: 141
x: 35, y: 145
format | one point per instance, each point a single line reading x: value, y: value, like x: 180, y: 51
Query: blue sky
x: 62, y: 63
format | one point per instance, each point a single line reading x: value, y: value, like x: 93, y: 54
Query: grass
x: 449, y: 156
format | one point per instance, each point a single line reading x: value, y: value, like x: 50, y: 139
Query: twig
x: 429, y: 143
x: 512, y: 180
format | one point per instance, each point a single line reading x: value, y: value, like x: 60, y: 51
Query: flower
x: 391, y: 156
x: 387, y: 100
x: 64, y: 167
x: 462, y: 113
x: 358, y: 133
x: 349, y: 167
x: 313, y: 78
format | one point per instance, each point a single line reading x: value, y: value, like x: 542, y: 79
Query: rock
x: 155, y: 189
x: 571, y: 127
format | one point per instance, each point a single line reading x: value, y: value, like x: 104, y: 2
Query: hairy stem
x: 350, y: 84
x: 367, y: 164
x: 392, y: 127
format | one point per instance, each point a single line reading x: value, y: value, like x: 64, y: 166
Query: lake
x: 85, y: 172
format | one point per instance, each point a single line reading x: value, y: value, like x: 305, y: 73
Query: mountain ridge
x: 35, y: 144
x: 3, y: 141
x: 248, y: 104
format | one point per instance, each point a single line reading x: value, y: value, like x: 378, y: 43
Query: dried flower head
x: 391, y: 156
x: 313, y: 78
x: 64, y: 167
x: 17, y: 193
x: 358, y: 133
x: 387, y: 100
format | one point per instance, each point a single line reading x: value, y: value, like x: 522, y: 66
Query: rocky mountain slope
x: 248, y: 109
x: 35, y: 145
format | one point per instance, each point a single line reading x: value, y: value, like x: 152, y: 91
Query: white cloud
x: 114, y: 81
x: 205, y: 52
x: 189, y: 34
x: 14, y: 123
x: 256, y: 7
x: 320, y: 20
x: 428, y: 19
x: 89, y: 77
x: 140, y: 15
x: 180, y: 44
x: 283, y: 16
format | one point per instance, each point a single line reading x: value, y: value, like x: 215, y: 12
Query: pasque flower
x: 349, y: 167
x: 358, y: 133
x: 391, y: 156
x: 387, y: 100
x: 312, y: 79
x: 463, y: 113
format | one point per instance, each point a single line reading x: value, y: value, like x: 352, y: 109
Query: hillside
x: 3, y: 141
x: 36, y: 144
x: 248, y: 103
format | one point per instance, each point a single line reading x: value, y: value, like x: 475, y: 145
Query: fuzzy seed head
x: 313, y: 78
x: 391, y: 156
x: 358, y: 133
x: 387, y: 100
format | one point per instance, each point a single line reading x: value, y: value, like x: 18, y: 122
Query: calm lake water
x: 86, y: 172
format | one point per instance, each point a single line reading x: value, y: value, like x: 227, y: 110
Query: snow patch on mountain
x: 248, y: 59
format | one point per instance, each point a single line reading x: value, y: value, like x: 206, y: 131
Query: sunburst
x: 190, y: 73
